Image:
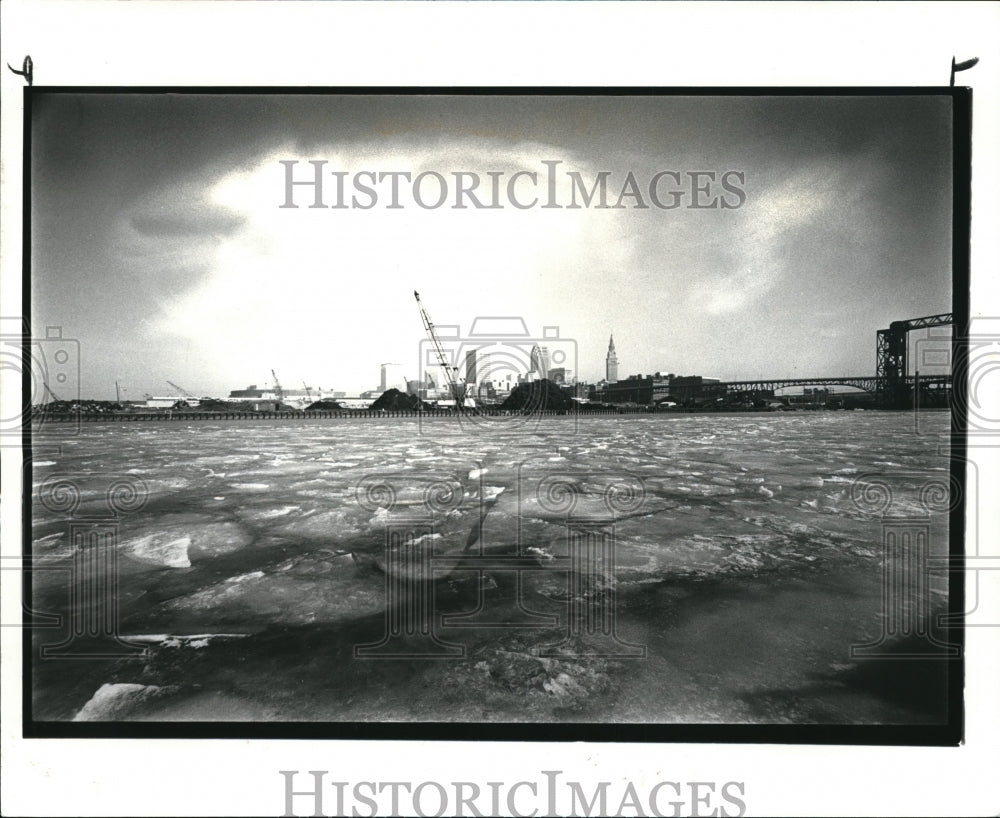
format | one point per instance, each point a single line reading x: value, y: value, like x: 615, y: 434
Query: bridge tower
x: 893, y: 389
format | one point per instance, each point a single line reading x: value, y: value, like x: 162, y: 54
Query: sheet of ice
x: 173, y: 540
x: 306, y: 590
x: 160, y: 549
x: 248, y: 528
x: 112, y: 702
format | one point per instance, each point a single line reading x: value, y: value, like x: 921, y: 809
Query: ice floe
x: 113, y: 702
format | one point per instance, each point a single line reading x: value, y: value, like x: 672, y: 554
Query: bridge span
x: 891, y: 385
x: 866, y: 383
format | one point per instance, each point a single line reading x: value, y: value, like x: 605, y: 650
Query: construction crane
x: 309, y: 393
x: 181, y: 389
x: 278, y: 391
x: 450, y: 372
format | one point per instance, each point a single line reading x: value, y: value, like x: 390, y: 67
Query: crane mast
x: 278, y: 391
x: 449, y: 370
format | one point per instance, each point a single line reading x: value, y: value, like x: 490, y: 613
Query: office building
x: 540, y: 361
x: 611, y: 363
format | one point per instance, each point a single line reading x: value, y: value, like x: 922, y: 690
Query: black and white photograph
x: 678, y: 425
x: 499, y: 408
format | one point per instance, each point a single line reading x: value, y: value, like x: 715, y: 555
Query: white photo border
x: 668, y: 45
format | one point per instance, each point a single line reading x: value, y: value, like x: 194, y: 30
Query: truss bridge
x: 892, y: 385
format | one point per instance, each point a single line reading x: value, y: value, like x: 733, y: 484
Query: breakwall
x: 346, y: 414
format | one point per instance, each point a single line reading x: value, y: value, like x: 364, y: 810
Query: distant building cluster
x: 488, y: 379
x: 652, y: 390
x: 487, y: 375
x: 271, y: 397
x: 658, y: 389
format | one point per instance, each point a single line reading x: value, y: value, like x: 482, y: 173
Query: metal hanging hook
x: 26, y: 69
x: 961, y: 66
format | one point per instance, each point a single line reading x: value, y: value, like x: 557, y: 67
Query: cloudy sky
x: 159, y: 240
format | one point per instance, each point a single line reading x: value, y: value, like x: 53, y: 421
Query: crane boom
x: 449, y: 370
x: 181, y: 389
x: 278, y: 391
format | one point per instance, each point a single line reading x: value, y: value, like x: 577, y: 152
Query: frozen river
x: 670, y: 569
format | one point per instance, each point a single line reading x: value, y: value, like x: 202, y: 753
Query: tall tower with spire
x: 611, y: 363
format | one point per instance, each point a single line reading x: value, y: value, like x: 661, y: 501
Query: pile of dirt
x: 325, y: 405
x: 392, y: 400
x: 537, y: 396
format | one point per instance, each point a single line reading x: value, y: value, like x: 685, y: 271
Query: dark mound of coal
x: 86, y: 407
x: 327, y: 405
x: 537, y: 396
x: 392, y: 400
x: 596, y: 407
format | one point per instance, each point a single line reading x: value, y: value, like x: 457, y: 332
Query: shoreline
x: 357, y: 414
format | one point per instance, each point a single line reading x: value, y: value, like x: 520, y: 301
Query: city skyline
x: 931, y: 344
x: 939, y: 343
x: 174, y: 258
